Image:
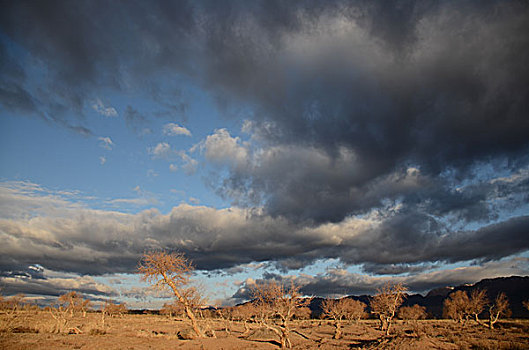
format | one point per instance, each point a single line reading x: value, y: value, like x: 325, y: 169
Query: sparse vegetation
x: 277, y: 315
x: 343, y: 309
x: 274, y: 300
x: 173, y: 271
x: 386, y: 303
x: 500, y: 307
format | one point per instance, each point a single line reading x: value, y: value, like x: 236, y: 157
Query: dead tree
x: 274, y: 300
x: 59, y: 311
x: 245, y: 313
x: 342, y: 309
x: 476, y: 303
x: 172, y: 309
x: 386, y: 303
x: 498, y: 308
x: 412, y: 313
x: 75, y: 303
x: 456, y: 306
x: 11, y: 308
x: 173, y: 271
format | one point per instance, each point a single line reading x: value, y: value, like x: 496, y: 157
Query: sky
x: 335, y: 144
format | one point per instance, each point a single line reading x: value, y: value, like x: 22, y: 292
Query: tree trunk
x: 187, y: 309
x: 388, y: 325
x: 285, y: 339
x: 337, y: 330
x: 246, y: 328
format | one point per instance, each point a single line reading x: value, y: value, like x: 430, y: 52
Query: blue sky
x: 338, y: 145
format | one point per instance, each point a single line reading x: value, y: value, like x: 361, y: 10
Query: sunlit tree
x: 500, y: 307
x: 274, y: 300
x: 456, y: 306
x: 386, y: 303
x: 412, y: 313
x: 342, y: 309
x: 476, y: 303
x: 173, y: 271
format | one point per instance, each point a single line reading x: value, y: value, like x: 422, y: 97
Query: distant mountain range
x: 515, y: 287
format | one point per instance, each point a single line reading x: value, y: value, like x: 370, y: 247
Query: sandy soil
x: 35, y: 331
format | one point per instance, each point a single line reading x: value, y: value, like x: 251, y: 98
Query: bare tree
x: 172, y: 270
x: 11, y: 308
x: 59, y: 311
x: 172, y: 309
x: 386, y: 303
x: 247, y: 312
x: 456, y: 306
x: 498, y: 308
x: 412, y: 313
x: 75, y: 302
x: 334, y: 309
x: 273, y: 300
x: 342, y: 309
x: 476, y: 303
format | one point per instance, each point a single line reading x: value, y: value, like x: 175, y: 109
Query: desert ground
x: 36, y: 330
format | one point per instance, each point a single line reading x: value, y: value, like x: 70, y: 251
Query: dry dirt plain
x: 34, y: 331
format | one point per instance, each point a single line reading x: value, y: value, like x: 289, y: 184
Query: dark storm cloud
x: 35, y: 281
x: 63, y: 236
x: 359, y: 108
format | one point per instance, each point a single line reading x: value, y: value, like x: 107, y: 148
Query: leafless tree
x: 12, y: 307
x: 172, y: 270
x: 274, y: 300
x: 476, y: 303
x: 412, y: 313
x: 60, y: 311
x: 74, y: 303
x: 114, y: 309
x: 227, y: 314
x: 342, y: 309
x: 245, y: 313
x: 499, y: 307
x: 456, y: 306
x: 302, y: 313
x: 172, y: 309
x: 386, y: 303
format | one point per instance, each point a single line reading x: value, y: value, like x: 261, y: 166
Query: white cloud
x: 221, y: 148
x: 100, y: 108
x: 173, y: 129
x: 161, y: 150
x: 106, y: 143
x: 190, y: 164
x: 152, y: 173
x: 102, y: 160
x: 173, y: 168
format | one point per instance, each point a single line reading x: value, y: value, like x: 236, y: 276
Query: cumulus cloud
x: 161, y: 150
x: 173, y: 129
x: 102, y: 160
x: 100, y: 108
x: 106, y: 143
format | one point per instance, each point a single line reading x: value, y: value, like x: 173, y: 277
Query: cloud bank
x: 391, y: 136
